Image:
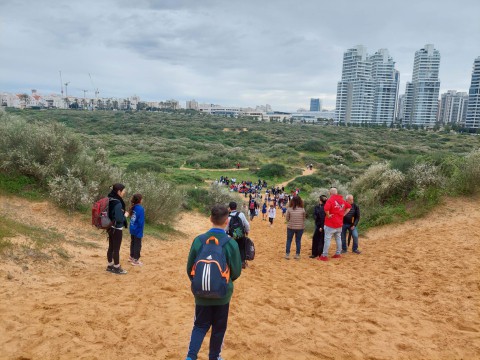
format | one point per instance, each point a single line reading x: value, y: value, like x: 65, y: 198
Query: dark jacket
x: 353, y: 216
x: 116, y: 210
x: 319, y: 216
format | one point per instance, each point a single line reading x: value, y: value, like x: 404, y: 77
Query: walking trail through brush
x: 413, y: 293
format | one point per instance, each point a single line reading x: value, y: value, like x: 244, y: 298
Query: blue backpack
x: 210, y: 272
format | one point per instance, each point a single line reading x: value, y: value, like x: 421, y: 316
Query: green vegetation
x: 394, y: 174
x: 41, y: 239
x: 20, y: 185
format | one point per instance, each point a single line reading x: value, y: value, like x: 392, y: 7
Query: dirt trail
x: 304, y: 173
x: 413, y: 294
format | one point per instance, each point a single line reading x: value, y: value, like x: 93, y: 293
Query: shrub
x: 314, y: 145
x: 466, y: 179
x: 162, y: 200
x: 56, y: 159
x: 424, y: 175
x: 379, y: 183
x: 70, y: 192
x: 148, y: 165
x: 272, y: 170
x: 403, y: 163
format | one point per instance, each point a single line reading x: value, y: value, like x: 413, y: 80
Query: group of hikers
x: 217, y: 257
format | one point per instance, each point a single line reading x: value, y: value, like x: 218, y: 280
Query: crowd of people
x: 217, y: 257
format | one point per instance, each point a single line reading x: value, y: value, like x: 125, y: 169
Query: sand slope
x: 414, y: 293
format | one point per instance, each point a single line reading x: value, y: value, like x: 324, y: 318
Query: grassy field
x: 396, y: 174
x: 164, y: 142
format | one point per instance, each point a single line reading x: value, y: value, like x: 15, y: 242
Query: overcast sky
x: 239, y: 52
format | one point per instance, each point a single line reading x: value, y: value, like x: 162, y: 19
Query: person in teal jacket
x: 213, y: 312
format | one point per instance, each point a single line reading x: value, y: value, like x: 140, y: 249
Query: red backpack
x: 100, y: 217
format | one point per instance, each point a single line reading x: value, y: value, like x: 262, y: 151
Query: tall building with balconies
x: 386, y: 80
x: 472, y: 119
x: 453, y: 107
x: 421, y: 103
x: 368, y: 90
x: 355, y: 91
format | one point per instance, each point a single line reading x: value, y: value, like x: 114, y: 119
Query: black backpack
x: 249, y: 249
x: 235, y: 227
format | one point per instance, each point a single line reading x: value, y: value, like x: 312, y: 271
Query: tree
x: 25, y: 99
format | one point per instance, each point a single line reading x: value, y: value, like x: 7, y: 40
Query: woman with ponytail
x: 116, y: 213
x: 137, y: 222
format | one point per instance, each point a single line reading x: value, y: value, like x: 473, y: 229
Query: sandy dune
x: 414, y: 293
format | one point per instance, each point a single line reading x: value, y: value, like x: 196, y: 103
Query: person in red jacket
x: 335, y: 209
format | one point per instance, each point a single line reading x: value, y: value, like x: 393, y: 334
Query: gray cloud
x: 235, y: 53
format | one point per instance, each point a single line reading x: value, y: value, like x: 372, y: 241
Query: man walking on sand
x: 335, y: 209
x: 212, y: 310
x: 350, y: 222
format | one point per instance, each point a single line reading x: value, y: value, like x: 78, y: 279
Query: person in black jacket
x: 350, y: 222
x: 116, y: 213
x: 318, y: 235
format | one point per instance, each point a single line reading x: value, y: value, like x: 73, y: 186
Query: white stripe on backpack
x: 206, y: 278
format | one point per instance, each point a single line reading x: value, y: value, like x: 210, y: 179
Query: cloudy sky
x: 239, y: 52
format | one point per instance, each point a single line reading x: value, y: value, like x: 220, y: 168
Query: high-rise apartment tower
x: 368, y: 90
x: 421, y: 94
x: 472, y: 120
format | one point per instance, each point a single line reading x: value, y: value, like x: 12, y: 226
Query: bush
x: 56, y: 159
x: 403, y: 163
x: 204, y: 199
x: 466, y: 180
x: 148, y: 165
x: 379, y: 183
x: 272, y: 171
x: 314, y: 145
x: 424, y: 176
x: 162, y: 201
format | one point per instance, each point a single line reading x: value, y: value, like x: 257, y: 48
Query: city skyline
x: 226, y: 53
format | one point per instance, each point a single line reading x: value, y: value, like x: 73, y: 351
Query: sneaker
x: 287, y: 256
x: 136, y: 262
x: 109, y: 268
x: 344, y: 251
x: 313, y: 256
x: 131, y: 259
x: 337, y: 256
x: 297, y: 256
x: 358, y: 252
x: 119, y: 270
x: 323, y: 258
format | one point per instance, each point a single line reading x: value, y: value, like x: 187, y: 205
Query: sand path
x: 414, y: 293
x: 304, y: 173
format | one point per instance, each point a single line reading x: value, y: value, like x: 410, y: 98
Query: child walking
x: 264, y: 211
x: 271, y: 214
x: 137, y: 223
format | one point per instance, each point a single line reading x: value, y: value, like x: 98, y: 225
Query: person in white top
x: 271, y: 214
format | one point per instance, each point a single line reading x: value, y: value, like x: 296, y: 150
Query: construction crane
x: 61, y: 83
x: 66, y: 94
x: 94, y: 88
x: 66, y: 89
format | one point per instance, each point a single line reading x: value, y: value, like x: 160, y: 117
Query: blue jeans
x: 354, y: 232
x: 298, y: 240
x: 215, y: 316
x: 329, y: 232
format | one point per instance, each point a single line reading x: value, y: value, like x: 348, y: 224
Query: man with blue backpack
x: 214, y: 262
